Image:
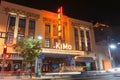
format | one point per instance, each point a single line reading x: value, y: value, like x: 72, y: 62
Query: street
x: 110, y: 76
x: 102, y: 77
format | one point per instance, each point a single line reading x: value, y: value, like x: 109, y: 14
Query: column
x: 85, y: 37
x: 27, y: 27
x: 79, y: 38
x: 16, y: 29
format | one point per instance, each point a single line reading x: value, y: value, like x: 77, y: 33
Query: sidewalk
x: 28, y: 78
x: 46, y: 76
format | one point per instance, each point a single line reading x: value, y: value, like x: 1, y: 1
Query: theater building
x: 65, y: 41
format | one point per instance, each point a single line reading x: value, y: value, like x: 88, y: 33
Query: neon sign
x: 63, y: 46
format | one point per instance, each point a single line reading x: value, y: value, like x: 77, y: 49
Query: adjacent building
x: 103, y: 38
x: 75, y: 46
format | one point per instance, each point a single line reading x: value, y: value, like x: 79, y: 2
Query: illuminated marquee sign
x: 63, y: 46
x: 60, y: 22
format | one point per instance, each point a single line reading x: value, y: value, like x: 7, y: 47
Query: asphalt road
x: 68, y: 77
x: 93, y: 77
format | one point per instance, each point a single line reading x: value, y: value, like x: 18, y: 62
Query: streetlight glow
x: 39, y: 37
x: 112, y: 46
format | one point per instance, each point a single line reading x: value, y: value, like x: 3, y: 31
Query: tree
x: 29, y: 49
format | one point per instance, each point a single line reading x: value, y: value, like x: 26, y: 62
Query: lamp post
x: 36, y: 61
x: 111, y: 46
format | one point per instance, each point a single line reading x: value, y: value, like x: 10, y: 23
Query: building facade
x: 75, y: 48
x: 103, y: 38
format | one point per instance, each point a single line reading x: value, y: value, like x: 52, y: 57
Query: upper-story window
x: 77, y: 45
x: 55, y: 41
x: 87, y: 35
x: 10, y: 37
x: 89, y: 46
x: 76, y: 31
x: 11, y: 27
x: 47, y: 28
x: 31, y: 32
x: 47, y: 42
x: 12, y: 20
x: 81, y: 33
x: 20, y: 37
x: 83, y: 46
x: 76, y: 39
x: 55, y: 30
x: 22, y: 23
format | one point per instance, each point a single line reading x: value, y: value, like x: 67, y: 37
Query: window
x: 47, y: 42
x: 47, y: 28
x: 31, y: 32
x: 10, y: 34
x: 12, y: 20
x: 77, y: 45
x: 87, y: 35
x: 55, y: 30
x: 22, y: 23
x: 9, y: 39
x: 20, y: 36
x: 76, y: 38
x: 75, y: 31
x: 55, y: 41
x: 32, y: 24
x: 89, y: 46
x: 83, y: 46
x: 81, y: 33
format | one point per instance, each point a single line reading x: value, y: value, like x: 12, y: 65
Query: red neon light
x: 60, y: 10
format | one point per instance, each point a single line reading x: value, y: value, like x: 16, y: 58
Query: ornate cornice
x: 21, y: 12
x: 80, y: 26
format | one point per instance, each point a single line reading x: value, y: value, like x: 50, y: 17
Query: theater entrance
x: 53, y: 64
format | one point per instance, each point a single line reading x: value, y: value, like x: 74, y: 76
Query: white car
x: 114, y: 70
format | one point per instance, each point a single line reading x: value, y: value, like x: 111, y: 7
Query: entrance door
x: 106, y: 64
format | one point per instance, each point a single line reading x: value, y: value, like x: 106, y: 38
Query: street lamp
x: 36, y: 62
x: 111, y: 46
x: 39, y: 37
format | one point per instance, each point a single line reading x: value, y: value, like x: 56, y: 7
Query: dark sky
x: 103, y: 11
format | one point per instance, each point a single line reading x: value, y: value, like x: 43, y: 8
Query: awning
x: 84, y: 59
x: 57, y: 55
x: 62, y: 52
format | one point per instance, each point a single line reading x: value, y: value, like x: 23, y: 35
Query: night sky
x: 102, y: 11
